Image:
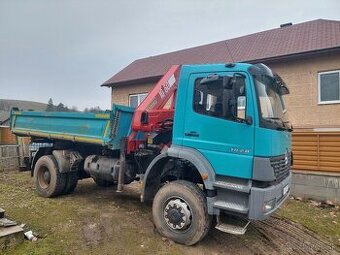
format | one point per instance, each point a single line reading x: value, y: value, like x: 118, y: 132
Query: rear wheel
x: 180, y: 212
x: 49, y: 182
x: 71, y: 182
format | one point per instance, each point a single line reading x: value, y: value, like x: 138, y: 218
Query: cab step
x: 231, y: 206
x: 232, y: 183
x: 232, y: 225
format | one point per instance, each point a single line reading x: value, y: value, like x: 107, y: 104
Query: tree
x: 50, y: 106
x: 60, y: 107
x: 95, y: 109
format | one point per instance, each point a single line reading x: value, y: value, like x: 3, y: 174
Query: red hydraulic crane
x: 156, y: 112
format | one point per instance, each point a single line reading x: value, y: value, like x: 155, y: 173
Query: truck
x: 211, y: 145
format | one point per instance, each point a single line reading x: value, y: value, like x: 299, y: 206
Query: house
x: 307, y: 57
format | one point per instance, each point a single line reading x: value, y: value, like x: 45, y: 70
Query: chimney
x: 286, y: 24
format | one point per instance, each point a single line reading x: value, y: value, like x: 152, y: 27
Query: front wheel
x: 180, y: 212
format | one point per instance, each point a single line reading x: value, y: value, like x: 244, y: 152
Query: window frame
x: 218, y: 117
x: 319, y: 88
x: 139, y: 95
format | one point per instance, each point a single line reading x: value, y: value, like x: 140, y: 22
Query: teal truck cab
x: 209, y: 140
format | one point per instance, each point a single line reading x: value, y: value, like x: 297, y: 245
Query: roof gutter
x: 133, y: 82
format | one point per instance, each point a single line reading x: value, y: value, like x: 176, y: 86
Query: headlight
x: 268, y: 206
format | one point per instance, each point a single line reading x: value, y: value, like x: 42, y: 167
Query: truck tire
x: 71, y: 182
x: 103, y: 183
x: 180, y: 212
x: 49, y: 182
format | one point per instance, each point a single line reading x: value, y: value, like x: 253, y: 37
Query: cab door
x: 218, y: 121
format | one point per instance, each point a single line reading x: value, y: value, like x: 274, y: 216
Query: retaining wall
x: 315, y: 185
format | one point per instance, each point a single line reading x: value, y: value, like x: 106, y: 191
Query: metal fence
x: 316, y: 151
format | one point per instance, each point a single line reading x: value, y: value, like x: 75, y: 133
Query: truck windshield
x: 270, y: 89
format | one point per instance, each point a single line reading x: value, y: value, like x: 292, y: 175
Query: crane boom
x: 157, y: 110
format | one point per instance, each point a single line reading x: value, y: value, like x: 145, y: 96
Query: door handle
x: 192, y: 133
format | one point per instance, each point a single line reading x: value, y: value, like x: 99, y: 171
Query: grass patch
x: 94, y: 220
x: 322, y: 221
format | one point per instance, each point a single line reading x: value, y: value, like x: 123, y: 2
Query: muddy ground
x: 94, y: 220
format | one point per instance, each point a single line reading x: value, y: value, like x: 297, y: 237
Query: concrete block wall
x: 319, y: 186
x: 9, y: 157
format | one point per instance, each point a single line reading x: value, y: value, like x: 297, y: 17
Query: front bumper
x: 274, y: 195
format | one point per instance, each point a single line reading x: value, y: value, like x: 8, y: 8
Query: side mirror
x: 283, y: 90
x: 281, y: 86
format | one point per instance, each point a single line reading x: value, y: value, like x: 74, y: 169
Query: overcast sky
x: 64, y: 50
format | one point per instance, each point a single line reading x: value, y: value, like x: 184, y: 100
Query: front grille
x: 281, y: 166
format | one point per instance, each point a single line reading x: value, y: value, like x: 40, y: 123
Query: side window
x: 329, y: 87
x: 218, y: 100
x: 136, y: 99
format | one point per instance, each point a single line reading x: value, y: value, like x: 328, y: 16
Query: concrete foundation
x: 315, y: 185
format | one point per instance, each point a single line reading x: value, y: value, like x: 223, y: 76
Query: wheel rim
x: 177, y: 214
x: 44, y: 177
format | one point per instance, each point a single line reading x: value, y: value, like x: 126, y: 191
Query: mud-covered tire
x: 71, y: 182
x: 49, y: 182
x: 103, y: 183
x: 190, y: 195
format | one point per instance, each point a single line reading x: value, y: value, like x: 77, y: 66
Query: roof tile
x: 303, y: 37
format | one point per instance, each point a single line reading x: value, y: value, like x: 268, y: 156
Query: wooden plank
x: 329, y: 144
x: 330, y: 164
x: 307, y: 143
x: 304, y: 148
x: 11, y: 237
x: 304, y: 157
x: 329, y: 148
x: 330, y: 159
x: 330, y: 153
x: 304, y: 138
x: 330, y: 138
x: 304, y: 153
x: 329, y: 169
x: 306, y: 162
x: 304, y: 167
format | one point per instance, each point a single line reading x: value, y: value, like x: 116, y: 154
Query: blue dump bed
x: 105, y: 129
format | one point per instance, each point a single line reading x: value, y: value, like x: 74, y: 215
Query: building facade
x: 307, y: 57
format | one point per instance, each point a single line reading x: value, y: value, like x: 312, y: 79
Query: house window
x: 329, y: 87
x: 136, y: 99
